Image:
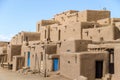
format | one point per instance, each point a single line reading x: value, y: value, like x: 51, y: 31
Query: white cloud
x: 5, y: 37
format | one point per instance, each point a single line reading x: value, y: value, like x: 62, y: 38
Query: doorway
x: 111, y: 60
x: 28, y: 61
x: 55, y: 64
x: 99, y: 69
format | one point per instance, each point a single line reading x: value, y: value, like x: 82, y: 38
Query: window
x: 90, y: 37
x: 69, y: 62
x: 21, y: 39
x: 45, y: 34
x: 99, y: 30
x: 73, y: 29
x: 59, y: 35
x: 41, y: 56
x: 26, y: 38
x: 101, y: 39
x: 105, y: 21
x: 68, y: 50
x: 65, y: 27
x: 87, y: 33
x: 62, y: 18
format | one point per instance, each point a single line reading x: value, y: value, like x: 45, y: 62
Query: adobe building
x: 76, y: 43
x: 117, y: 64
x: 14, y: 49
x: 60, y: 28
x: 101, y: 57
x: 82, y: 16
x: 97, y: 33
x: 74, y: 46
x: 3, y: 52
x: 19, y: 38
x: 112, y: 47
x: 92, y: 65
x: 18, y: 62
x: 94, y: 25
x: 41, y: 57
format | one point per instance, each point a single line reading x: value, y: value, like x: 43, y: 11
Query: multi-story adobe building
x: 19, y: 40
x: 79, y: 44
x: 3, y: 52
x: 74, y: 30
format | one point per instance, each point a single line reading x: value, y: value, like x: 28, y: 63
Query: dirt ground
x: 10, y: 75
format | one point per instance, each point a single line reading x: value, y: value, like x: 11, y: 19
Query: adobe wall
x: 61, y: 32
x: 74, y: 45
x: 24, y: 52
x: 54, y: 32
x: 3, y: 50
x: 43, y: 33
x: 14, y: 40
x: 90, y: 59
x: 44, y: 23
x: 94, y: 15
x: 66, y: 16
x: 108, y: 21
x: 66, y: 31
x: 69, y: 65
x: 82, y: 16
x: 60, y: 28
x: 73, y: 65
x: 24, y: 36
x: 3, y: 44
x: 117, y: 63
x: 18, y: 62
x: 105, y: 21
x: 13, y: 50
x: 3, y: 58
x: 72, y: 33
x: 37, y: 56
x: 99, y: 34
x: 32, y: 36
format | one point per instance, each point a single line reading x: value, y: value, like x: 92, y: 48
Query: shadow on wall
x: 117, y: 33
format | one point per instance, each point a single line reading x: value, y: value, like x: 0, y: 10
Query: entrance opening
x: 111, y: 68
x: 28, y: 61
x: 111, y: 60
x: 99, y: 69
x: 55, y: 64
x: 59, y: 35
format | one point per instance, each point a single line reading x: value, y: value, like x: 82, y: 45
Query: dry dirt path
x: 10, y: 75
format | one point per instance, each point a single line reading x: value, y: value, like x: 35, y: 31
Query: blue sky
x: 22, y: 15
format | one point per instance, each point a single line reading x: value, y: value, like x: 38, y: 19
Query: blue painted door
x: 55, y: 64
x: 28, y: 61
